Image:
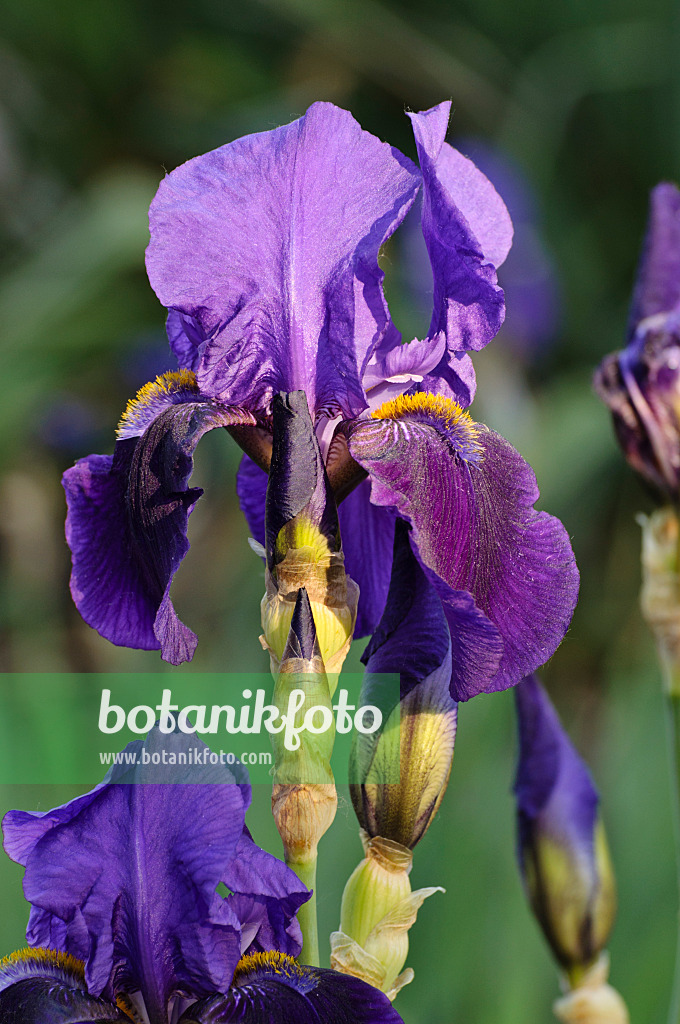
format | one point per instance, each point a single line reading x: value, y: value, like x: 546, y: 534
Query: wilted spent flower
x: 302, y: 537
x: 562, y: 847
x: 641, y: 384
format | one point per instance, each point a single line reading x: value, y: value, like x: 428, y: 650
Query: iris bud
x: 302, y: 695
x: 641, y: 384
x: 303, y: 546
x: 562, y: 847
x: 304, y: 800
x: 378, y: 909
x: 399, y: 774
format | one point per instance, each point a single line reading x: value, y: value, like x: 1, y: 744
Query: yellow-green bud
x: 562, y: 846
x: 333, y: 597
x: 378, y: 909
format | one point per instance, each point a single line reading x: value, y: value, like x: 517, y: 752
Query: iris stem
x: 671, y: 671
x: 673, y: 705
x: 660, y: 605
x: 307, y: 919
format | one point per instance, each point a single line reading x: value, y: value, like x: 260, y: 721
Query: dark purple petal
x: 266, y: 896
x: 251, y: 488
x: 38, y: 1001
x: 468, y: 233
x: 297, y: 485
x: 367, y: 533
x: 412, y: 637
x: 553, y: 784
x: 268, y: 247
x: 657, y: 288
x: 422, y: 620
x: 127, y: 520
x: 469, y: 497
x: 641, y: 387
x: 280, y: 991
x: 140, y: 864
x: 41, y: 986
x: 641, y: 384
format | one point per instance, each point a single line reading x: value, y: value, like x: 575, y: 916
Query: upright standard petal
x: 140, y: 864
x: 268, y: 250
x: 128, y: 516
x: 562, y: 847
x: 468, y: 233
x: 469, y: 497
x: 272, y: 987
x: 657, y: 288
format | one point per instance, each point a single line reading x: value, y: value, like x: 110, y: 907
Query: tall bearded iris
x: 126, y: 923
x: 266, y: 254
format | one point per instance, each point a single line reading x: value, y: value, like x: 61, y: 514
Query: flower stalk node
x: 592, y: 1000
x: 303, y: 814
x: 378, y: 910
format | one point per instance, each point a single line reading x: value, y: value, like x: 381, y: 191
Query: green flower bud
x: 303, y: 746
x: 399, y: 773
x: 378, y: 909
x: 563, y: 853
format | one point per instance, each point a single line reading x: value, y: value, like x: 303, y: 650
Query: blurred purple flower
x: 266, y: 254
x: 641, y: 384
x: 562, y: 849
x: 125, y: 911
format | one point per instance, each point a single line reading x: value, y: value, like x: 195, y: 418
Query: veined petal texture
x: 267, y: 248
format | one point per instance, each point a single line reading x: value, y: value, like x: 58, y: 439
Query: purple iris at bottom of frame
x: 126, y: 919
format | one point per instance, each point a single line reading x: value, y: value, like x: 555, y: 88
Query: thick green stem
x: 306, y: 872
x: 660, y: 604
x: 673, y: 704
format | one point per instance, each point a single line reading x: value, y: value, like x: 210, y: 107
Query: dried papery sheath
x: 562, y: 848
x: 378, y: 910
x: 592, y: 1001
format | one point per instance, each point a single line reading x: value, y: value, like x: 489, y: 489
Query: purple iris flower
x: 641, y: 384
x: 266, y: 254
x: 562, y: 848
x: 126, y: 922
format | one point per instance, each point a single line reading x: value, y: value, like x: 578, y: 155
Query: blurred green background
x: 573, y: 110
